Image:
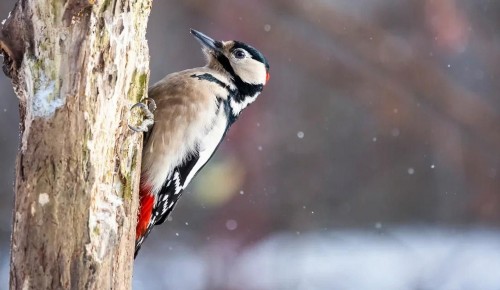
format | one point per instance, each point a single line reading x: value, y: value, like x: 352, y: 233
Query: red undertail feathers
x: 146, y: 203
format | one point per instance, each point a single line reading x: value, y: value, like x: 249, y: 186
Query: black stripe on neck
x: 224, y: 61
x: 244, y: 89
x: 211, y: 78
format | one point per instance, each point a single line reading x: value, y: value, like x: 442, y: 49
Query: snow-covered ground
x: 401, y: 259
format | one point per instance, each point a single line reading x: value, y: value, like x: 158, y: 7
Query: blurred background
x: 370, y: 161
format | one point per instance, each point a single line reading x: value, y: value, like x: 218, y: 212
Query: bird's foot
x: 148, y: 111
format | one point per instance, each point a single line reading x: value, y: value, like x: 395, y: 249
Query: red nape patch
x: 268, y: 77
x: 146, y: 203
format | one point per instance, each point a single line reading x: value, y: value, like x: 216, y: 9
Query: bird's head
x: 241, y: 61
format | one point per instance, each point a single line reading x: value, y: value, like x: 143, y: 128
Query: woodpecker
x: 193, y: 110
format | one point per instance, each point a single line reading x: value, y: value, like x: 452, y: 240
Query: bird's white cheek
x: 252, y: 72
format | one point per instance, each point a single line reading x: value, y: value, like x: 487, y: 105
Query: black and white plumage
x: 195, y: 108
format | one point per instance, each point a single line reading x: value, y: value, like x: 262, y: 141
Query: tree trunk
x: 77, y: 66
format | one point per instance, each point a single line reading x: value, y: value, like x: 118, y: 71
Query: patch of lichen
x: 96, y: 230
x: 138, y: 86
x: 43, y: 75
x: 55, y: 9
x: 143, y: 84
x: 127, y: 189
x: 127, y: 174
x: 104, y: 39
x: 37, y: 66
x: 134, y: 160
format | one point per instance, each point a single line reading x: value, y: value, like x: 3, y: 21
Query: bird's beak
x: 206, y: 41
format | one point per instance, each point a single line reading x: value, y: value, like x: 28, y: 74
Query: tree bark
x: 77, y: 66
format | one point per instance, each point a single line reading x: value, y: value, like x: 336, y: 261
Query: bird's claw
x: 148, y: 111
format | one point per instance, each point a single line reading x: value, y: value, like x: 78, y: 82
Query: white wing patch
x: 238, y: 107
x: 209, y: 143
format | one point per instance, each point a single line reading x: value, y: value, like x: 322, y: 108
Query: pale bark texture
x: 77, y: 66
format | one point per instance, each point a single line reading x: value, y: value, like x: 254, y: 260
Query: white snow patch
x: 238, y: 107
x: 103, y: 224
x: 43, y: 199
x: 387, y: 258
x: 231, y: 225
x: 3, y: 21
x: 45, y: 103
x: 26, y: 283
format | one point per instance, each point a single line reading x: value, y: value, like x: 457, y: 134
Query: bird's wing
x: 183, y: 174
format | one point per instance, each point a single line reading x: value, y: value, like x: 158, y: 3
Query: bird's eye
x: 239, y: 54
